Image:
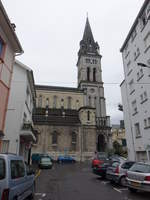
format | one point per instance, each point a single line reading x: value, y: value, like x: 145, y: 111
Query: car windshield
x: 45, y: 159
x: 2, y: 169
x: 101, y: 156
x: 139, y: 167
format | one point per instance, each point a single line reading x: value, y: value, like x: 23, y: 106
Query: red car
x: 99, y: 159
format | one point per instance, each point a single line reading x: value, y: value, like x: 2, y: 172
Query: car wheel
x: 132, y: 190
x: 122, y: 181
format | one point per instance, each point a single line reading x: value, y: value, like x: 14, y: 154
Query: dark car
x: 101, y: 168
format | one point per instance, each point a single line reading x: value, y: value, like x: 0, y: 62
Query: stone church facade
x: 73, y: 121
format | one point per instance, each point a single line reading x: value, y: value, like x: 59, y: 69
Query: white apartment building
x: 19, y: 132
x: 135, y: 88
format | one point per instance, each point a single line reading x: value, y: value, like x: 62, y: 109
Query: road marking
x: 117, y: 190
x: 38, y: 194
x: 43, y: 195
x: 105, y: 182
x: 123, y: 189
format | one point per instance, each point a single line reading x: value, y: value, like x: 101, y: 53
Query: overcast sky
x: 50, y: 32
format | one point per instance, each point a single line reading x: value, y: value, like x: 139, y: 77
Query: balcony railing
x: 103, y: 122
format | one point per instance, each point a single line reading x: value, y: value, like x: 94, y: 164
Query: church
x: 73, y: 121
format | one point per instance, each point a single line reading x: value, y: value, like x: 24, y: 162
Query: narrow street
x: 76, y: 182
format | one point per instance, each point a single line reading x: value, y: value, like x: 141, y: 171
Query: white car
x: 138, y: 177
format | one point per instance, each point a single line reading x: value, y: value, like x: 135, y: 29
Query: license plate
x: 135, y: 184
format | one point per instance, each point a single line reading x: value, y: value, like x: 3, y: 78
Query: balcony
x: 103, y: 122
x: 27, y: 132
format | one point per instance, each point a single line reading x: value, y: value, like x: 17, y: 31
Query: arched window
x: 74, y: 138
x: 88, y: 74
x: 90, y: 102
x: 95, y: 101
x: 77, y: 104
x: 40, y: 101
x: 69, y: 102
x: 88, y: 115
x: 47, y: 102
x: 55, y: 102
x: 54, y: 137
x: 62, y: 103
x: 94, y: 74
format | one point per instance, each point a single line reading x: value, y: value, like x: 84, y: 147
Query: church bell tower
x: 90, y: 80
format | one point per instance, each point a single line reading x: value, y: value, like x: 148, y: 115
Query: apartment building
x: 135, y: 88
x: 19, y: 130
x: 9, y: 48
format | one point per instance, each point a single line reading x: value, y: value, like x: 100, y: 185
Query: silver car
x: 117, y: 171
x: 138, y: 177
x: 16, y: 178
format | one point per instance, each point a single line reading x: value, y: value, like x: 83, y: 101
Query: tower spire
x: 88, y: 36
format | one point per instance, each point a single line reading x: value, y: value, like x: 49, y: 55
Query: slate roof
x: 57, y: 88
x: 57, y: 117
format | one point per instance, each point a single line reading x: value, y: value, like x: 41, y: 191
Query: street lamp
x: 143, y: 65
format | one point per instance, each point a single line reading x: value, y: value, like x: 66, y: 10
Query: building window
x: 94, y: 74
x: 24, y: 117
x: 69, y: 102
x: 140, y: 74
x: 77, y: 104
x: 55, y: 102
x: 147, y: 41
x: 88, y: 115
x: 134, y: 33
x: 143, y: 20
x: 54, y: 137
x: 74, y: 138
x: 145, y: 123
x: 87, y: 60
x: 134, y: 107
x: 95, y: 99
x: 62, y: 103
x: 88, y: 74
x: 1, y: 47
x: 149, y: 121
x: 145, y: 95
x: 47, y: 102
x: 131, y: 86
x: 40, y: 101
x: 136, y: 53
x: 90, y: 102
x: 137, y: 129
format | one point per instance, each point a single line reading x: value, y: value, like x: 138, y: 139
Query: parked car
x: 66, y: 159
x: 101, y: 168
x: 16, y: 178
x: 36, y: 157
x: 99, y: 159
x: 138, y: 177
x: 45, y: 163
x: 117, y: 171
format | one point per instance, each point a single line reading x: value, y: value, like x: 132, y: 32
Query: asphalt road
x: 77, y: 182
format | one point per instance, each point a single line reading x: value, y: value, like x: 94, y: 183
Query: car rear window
x: 139, y: 167
x: 115, y: 164
x: 17, y: 169
x: 45, y: 159
x: 2, y: 169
